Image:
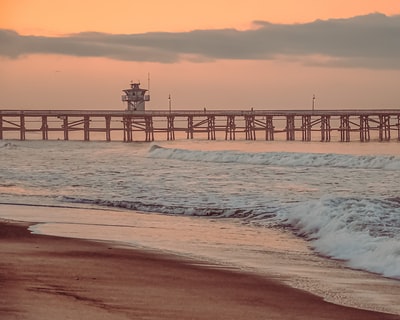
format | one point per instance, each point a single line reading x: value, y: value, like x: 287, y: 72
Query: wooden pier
x: 128, y: 126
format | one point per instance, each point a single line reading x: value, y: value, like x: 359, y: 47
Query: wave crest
x: 364, y: 232
x: 286, y: 159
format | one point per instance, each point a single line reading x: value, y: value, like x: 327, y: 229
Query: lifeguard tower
x: 135, y: 97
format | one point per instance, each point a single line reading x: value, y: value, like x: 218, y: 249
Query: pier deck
x: 304, y: 125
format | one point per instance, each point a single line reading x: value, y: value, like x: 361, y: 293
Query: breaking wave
x: 363, y: 232
x: 175, y: 209
x: 287, y: 159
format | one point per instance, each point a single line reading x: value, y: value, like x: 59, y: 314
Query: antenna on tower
x: 148, y: 82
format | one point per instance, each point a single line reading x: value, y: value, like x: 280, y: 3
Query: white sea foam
x: 364, y: 232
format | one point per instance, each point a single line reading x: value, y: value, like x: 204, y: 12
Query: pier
x: 140, y: 125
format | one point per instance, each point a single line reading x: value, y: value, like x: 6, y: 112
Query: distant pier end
x: 135, y: 97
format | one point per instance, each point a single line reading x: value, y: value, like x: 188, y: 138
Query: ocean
x: 322, y: 217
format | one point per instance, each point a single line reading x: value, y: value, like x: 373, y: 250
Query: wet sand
x: 44, y: 277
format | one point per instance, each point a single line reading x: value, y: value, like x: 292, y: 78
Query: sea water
x: 311, y: 214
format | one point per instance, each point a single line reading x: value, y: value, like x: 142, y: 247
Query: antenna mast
x: 148, y: 82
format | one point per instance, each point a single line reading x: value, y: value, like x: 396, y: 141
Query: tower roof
x: 135, y: 87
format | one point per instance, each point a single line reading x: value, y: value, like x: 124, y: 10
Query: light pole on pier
x: 313, y: 102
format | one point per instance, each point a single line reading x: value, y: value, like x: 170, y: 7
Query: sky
x: 259, y: 54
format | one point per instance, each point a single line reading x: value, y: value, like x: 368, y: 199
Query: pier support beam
x: 86, y: 129
x: 364, y: 129
x: 290, y: 128
x: 398, y: 127
x: 344, y: 128
x: 44, y: 128
x: 149, y: 128
x: 250, y: 127
x: 325, y: 128
x: 22, y: 127
x: 306, y: 128
x: 230, y: 129
x: 65, y: 127
x: 108, y: 128
x: 190, y: 127
x: 170, y: 128
x: 269, y: 128
x: 211, y: 128
x: 1, y: 127
x: 384, y: 127
x: 128, y: 137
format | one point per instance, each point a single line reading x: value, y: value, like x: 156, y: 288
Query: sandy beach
x: 45, y: 277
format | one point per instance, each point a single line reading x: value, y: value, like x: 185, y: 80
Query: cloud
x: 370, y: 41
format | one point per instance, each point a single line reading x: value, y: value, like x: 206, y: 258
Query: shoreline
x: 45, y: 277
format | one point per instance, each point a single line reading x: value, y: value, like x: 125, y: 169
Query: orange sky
x: 63, y: 81
x: 46, y: 17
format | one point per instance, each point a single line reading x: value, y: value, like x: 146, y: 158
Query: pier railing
x: 305, y: 125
